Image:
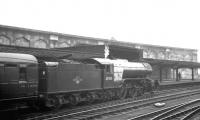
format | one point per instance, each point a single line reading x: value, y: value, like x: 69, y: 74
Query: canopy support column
x: 192, y: 73
x: 160, y: 73
x: 177, y: 76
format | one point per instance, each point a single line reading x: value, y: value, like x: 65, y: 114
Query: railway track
x: 112, y: 108
x: 98, y: 105
x: 183, y: 111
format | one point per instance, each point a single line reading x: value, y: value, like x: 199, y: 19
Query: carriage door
x: 23, y: 82
x: 3, y: 83
x: 108, y: 76
x: 32, y: 79
x: 42, y: 83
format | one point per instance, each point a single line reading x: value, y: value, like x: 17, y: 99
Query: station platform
x: 180, y: 83
x: 170, y: 82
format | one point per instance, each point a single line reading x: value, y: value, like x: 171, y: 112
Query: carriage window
x: 22, y: 72
x: 31, y: 72
x: 1, y: 72
x: 11, y: 72
x: 11, y: 65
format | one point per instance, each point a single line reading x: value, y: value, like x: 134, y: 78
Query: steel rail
x: 180, y: 113
x: 191, y: 114
x: 161, y: 113
x: 140, y: 117
x: 166, y: 116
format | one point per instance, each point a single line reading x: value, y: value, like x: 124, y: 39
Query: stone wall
x: 170, y: 53
x: 43, y: 39
x: 40, y: 39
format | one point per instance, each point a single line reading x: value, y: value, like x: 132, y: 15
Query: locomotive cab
x: 122, y: 69
x: 108, y: 76
x: 130, y: 77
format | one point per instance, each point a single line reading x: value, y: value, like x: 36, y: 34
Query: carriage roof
x: 17, y: 58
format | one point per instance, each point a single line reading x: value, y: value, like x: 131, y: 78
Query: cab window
x: 109, y: 68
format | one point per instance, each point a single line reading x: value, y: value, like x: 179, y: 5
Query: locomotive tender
x: 24, y: 78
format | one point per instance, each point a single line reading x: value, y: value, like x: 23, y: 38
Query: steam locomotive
x: 25, y: 79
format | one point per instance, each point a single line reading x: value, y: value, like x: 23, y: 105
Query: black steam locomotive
x: 25, y: 79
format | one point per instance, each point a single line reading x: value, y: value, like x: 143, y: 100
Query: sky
x: 174, y: 23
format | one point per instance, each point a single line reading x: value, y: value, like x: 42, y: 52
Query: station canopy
x: 47, y: 54
x: 95, y: 51
x: 77, y: 52
x: 109, y: 51
x: 172, y: 63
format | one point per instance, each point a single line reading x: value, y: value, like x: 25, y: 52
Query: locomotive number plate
x: 109, y: 78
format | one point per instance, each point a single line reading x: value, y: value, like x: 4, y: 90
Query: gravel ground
x: 147, y: 109
x: 196, y: 117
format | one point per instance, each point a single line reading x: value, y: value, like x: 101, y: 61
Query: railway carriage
x: 18, y: 78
